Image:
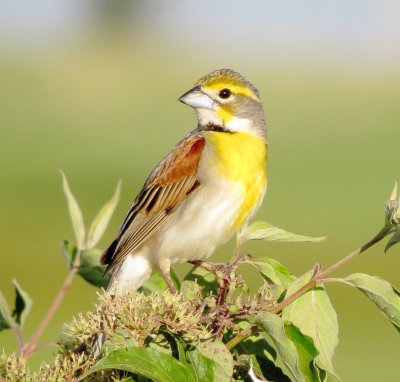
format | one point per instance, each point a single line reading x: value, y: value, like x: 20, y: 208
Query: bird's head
x: 224, y: 98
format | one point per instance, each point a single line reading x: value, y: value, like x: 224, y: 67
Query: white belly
x: 200, y: 225
x: 193, y: 232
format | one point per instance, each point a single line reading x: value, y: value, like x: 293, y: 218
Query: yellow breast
x: 241, y: 158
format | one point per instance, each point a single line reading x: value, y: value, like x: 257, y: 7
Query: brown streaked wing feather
x: 172, y: 181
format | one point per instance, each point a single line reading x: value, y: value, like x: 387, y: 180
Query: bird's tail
x: 97, y: 344
x: 98, y: 339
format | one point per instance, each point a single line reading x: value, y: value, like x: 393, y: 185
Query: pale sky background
x: 356, y: 32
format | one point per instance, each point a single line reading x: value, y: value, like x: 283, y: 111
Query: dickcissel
x: 203, y: 191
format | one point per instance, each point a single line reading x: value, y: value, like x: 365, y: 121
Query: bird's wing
x: 172, y: 181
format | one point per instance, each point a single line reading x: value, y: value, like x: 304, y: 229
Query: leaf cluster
x: 160, y: 336
x: 214, y: 328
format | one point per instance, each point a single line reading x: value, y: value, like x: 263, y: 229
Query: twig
x: 18, y: 334
x: 31, y: 346
x: 335, y: 280
x: 46, y: 345
x: 378, y: 237
x: 319, y: 277
x: 236, y: 252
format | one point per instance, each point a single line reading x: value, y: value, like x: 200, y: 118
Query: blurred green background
x: 91, y: 88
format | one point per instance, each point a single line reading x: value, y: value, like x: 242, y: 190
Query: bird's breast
x: 232, y: 175
x: 239, y: 158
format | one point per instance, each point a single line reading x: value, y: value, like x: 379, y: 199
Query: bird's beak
x: 196, y: 99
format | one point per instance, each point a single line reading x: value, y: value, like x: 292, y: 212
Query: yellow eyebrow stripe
x: 235, y: 89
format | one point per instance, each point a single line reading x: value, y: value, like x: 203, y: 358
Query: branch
x: 319, y: 277
x: 31, y: 347
x: 17, y: 330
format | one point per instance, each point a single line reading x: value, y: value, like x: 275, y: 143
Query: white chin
x: 206, y: 116
x: 239, y: 124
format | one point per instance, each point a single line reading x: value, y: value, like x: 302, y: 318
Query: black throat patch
x: 212, y: 127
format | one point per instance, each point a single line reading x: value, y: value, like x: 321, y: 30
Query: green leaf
x: 23, y: 304
x: 91, y: 270
x: 306, y: 350
x: 256, y: 344
x: 69, y: 251
x: 201, y: 277
x: 263, y: 357
x: 175, y: 279
x: 122, y: 338
x: 261, y: 367
x: 148, y: 362
x: 393, y: 240
x: 274, y: 327
x: 102, y: 219
x: 216, y: 350
x: 209, y: 361
x: 392, y: 209
x: 75, y: 213
x: 157, y: 283
x: 268, y: 232
x: 381, y: 293
x: 190, y: 289
x: 314, y: 315
x: 393, y: 195
x: 274, y: 273
x: 5, y: 317
x: 202, y: 368
x: 322, y: 375
x: 181, y: 345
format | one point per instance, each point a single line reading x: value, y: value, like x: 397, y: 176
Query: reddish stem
x: 17, y: 330
x: 319, y: 277
x: 31, y: 346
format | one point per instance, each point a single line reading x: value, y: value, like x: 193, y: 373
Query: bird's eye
x: 225, y: 93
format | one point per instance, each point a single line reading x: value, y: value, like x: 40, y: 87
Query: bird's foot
x: 223, y: 274
x: 224, y: 268
x: 165, y: 267
x: 168, y: 280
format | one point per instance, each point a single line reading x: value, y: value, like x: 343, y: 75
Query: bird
x: 201, y: 193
